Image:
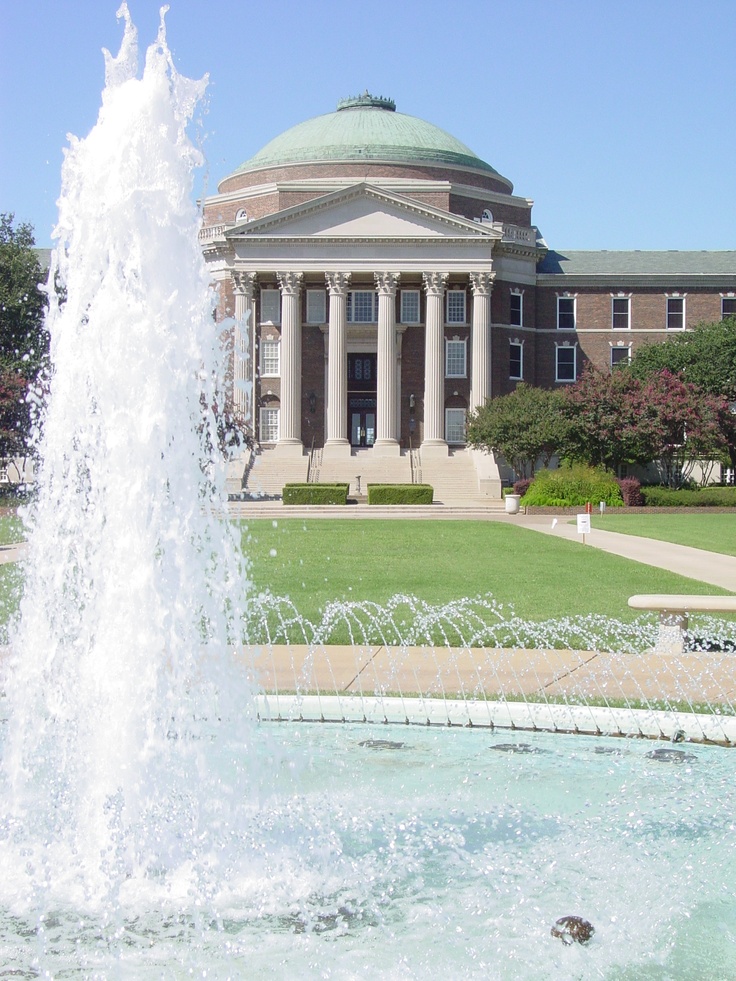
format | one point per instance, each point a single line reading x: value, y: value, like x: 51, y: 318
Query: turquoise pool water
x: 403, y: 852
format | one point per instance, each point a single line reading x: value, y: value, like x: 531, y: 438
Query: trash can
x: 512, y: 503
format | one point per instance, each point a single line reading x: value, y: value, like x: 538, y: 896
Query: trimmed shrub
x: 704, y: 497
x: 573, y: 486
x: 400, y: 494
x: 523, y: 485
x: 631, y: 492
x: 315, y: 493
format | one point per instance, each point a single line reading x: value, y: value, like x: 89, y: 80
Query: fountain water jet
x: 150, y: 827
x: 129, y: 616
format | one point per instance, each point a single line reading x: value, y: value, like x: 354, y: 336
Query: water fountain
x: 151, y: 826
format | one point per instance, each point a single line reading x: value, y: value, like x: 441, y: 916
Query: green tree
x: 526, y: 427
x: 704, y: 357
x: 23, y: 338
x: 605, y: 412
x: 682, y: 425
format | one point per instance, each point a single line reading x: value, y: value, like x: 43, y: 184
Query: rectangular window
x: 516, y: 310
x: 455, y: 366
x: 516, y: 360
x: 455, y: 425
x: 728, y: 307
x: 566, y: 312
x: 269, y: 425
x: 410, y: 306
x: 362, y: 307
x: 619, y: 356
x: 565, y: 364
x: 270, y: 361
x: 620, y: 308
x: 270, y: 306
x: 316, y: 307
x: 675, y: 313
x: 456, y: 307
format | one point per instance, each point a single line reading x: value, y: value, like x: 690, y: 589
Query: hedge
x: 573, y: 486
x: 315, y: 493
x: 400, y: 494
x: 704, y: 497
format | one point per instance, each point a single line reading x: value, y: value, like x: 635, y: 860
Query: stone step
x: 453, y: 477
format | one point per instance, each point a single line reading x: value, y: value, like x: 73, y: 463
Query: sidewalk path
x: 695, y: 563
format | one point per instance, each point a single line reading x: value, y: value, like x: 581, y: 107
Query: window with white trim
x: 455, y: 358
x: 316, y: 306
x: 566, y: 313
x: 516, y: 309
x: 565, y: 362
x: 620, y: 312
x: 270, y: 305
x: 675, y: 312
x: 516, y: 360
x: 455, y: 425
x: 728, y: 307
x: 409, y: 307
x: 619, y: 356
x: 269, y: 424
x: 362, y: 307
x: 270, y: 351
x: 455, y: 307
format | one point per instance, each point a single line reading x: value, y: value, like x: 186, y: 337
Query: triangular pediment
x: 363, y: 211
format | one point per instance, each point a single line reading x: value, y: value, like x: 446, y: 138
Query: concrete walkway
x: 695, y: 563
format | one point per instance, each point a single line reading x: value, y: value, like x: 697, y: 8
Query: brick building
x: 384, y: 280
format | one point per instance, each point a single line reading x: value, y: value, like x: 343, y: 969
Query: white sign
x: 583, y: 524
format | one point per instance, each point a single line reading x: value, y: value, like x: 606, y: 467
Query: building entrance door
x: 362, y: 399
x: 362, y: 417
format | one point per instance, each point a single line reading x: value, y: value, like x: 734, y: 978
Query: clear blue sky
x: 615, y: 116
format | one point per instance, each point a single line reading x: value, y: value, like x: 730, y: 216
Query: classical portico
x: 352, y: 281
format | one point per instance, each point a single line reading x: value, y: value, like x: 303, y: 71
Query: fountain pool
x: 407, y: 852
x: 151, y: 825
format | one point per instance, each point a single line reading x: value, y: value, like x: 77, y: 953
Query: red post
x: 588, y: 507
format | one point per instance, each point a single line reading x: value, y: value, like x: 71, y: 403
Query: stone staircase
x: 369, y: 468
x: 455, y: 480
x: 453, y: 477
x: 262, y: 475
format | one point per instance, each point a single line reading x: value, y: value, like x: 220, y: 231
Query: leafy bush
x: 522, y: 486
x: 400, y: 494
x: 631, y: 492
x: 704, y: 497
x: 315, y: 493
x: 573, y: 486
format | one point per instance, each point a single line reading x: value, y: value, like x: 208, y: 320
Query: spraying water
x: 130, y: 605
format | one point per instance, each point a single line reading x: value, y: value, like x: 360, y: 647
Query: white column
x: 244, y: 286
x: 386, y: 442
x: 337, y: 443
x: 290, y: 422
x: 480, y: 376
x: 434, y: 365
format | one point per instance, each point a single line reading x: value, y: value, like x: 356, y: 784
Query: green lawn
x: 537, y: 577
x: 712, y: 532
x: 461, y: 582
x: 11, y: 529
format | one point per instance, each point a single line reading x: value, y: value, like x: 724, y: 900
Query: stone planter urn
x: 512, y: 503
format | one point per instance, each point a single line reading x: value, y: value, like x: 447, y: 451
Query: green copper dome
x: 366, y: 128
